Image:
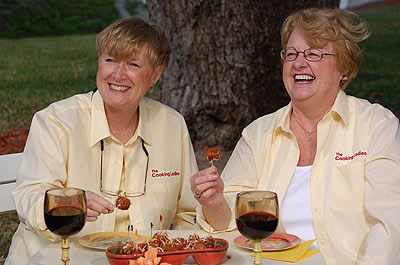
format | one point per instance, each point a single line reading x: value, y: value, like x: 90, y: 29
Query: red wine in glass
x: 257, y: 215
x: 65, y: 214
x: 257, y: 225
x: 65, y: 220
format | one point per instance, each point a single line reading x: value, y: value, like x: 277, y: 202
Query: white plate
x: 103, y: 240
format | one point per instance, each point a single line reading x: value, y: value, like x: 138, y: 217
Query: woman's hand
x: 96, y: 205
x: 208, y: 187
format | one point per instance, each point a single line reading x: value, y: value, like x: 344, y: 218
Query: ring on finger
x: 197, y: 196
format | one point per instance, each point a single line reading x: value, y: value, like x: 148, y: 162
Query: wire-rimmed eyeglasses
x: 119, y: 192
x: 312, y: 55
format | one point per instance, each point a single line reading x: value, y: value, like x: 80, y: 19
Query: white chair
x: 9, y: 165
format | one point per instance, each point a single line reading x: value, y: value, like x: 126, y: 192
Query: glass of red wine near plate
x: 65, y: 215
x: 257, y: 215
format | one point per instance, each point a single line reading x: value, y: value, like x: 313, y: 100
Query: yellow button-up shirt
x: 63, y: 149
x: 355, y: 178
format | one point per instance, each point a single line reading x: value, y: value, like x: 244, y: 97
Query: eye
x: 108, y: 59
x: 291, y: 53
x: 133, y: 64
x: 314, y: 54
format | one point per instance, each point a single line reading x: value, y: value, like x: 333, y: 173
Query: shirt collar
x: 282, y: 123
x: 143, y: 131
x: 99, y: 124
x: 341, y: 108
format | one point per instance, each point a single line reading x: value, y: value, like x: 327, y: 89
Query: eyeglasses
x: 312, y: 55
x: 119, y: 192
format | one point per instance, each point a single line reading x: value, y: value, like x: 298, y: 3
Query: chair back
x: 9, y: 166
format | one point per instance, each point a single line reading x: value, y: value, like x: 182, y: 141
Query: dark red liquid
x: 65, y: 220
x: 257, y: 225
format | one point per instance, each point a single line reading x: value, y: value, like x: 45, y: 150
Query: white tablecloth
x: 51, y: 255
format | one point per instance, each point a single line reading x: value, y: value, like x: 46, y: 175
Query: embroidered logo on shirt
x: 160, y: 174
x: 341, y: 157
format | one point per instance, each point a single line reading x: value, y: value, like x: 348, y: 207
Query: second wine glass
x: 257, y: 215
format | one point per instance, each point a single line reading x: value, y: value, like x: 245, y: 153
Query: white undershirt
x: 295, y: 211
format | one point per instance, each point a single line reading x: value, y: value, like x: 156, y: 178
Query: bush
x: 8, y: 225
x: 32, y: 18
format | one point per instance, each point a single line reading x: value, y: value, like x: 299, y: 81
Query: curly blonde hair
x: 125, y: 37
x: 343, y: 28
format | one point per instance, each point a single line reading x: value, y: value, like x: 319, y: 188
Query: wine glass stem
x: 65, y: 250
x: 257, y: 252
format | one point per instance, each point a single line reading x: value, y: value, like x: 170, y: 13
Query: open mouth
x: 118, y: 88
x: 303, y: 78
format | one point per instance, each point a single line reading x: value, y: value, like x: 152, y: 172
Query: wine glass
x: 65, y: 215
x: 257, y: 214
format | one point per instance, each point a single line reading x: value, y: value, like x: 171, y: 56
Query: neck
x: 122, y: 123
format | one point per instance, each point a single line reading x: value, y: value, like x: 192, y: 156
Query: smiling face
x: 312, y: 83
x: 123, y: 83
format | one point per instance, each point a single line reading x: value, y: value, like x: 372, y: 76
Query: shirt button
x: 316, y: 210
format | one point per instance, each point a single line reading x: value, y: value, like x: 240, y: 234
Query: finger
x: 91, y: 218
x: 98, y: 203
x: 91, y: 215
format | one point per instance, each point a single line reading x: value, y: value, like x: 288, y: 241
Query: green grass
x: 37, y: 71
x: 8, y: 224
x: 379, y: 77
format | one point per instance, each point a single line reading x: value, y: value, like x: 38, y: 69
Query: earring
x: 151, y: 89
x: 345, y: 77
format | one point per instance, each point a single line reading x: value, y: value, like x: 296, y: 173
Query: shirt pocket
x: 348, y: 187
x: 163, y: 196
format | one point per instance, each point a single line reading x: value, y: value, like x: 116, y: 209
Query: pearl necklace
x: 304, y: 129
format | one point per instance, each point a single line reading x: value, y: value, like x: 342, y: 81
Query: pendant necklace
x: 304, y: 129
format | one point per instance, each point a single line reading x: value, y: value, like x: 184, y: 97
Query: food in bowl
x: 208, y: 250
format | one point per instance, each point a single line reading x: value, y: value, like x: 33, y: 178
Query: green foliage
x: 8, y: 225
x: 29, y: 18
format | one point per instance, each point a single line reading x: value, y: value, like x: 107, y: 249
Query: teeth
x: 119, y: 88
x: 303, y: 77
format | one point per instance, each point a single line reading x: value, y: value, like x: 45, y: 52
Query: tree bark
x: 224, y: 68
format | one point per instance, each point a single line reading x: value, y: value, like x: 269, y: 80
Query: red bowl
x: 213, y: 256
x: 206, y: 256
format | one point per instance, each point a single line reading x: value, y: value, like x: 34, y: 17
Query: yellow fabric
x: 355, y: 183
x: 293, y: 255
x: 63, y: 149
x: 122, y: 219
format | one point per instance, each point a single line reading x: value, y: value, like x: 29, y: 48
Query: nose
x: 120, y: 71
x: 301, y: 59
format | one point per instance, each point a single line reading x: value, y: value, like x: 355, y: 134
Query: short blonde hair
x: 343, y: 28
x: 125, y: 37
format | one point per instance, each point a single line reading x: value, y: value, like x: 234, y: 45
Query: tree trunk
x: 224, y: 68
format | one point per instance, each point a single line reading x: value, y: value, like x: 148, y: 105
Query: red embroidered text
x: 159, y: 174
x: 340, y: 156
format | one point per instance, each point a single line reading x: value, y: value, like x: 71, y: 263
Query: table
x: 51, y: 255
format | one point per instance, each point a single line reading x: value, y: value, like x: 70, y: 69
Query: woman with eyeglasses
x: 333, y: 159
x: 114, y: 143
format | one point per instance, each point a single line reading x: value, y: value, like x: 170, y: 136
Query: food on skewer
x: 212, y: 154
x: 122, y: 202
x: 163, y: 243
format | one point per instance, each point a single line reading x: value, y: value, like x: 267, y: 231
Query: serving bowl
x: 205, y: 256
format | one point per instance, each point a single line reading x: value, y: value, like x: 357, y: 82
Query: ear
x: 158, y: 71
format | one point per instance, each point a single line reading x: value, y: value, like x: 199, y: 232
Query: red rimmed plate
x: 276, y: 242
x: 206, y: 256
